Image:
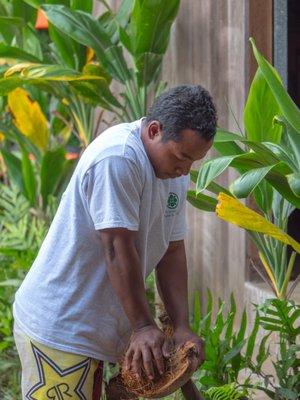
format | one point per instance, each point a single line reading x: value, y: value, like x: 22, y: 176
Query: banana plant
x: 267, y: 157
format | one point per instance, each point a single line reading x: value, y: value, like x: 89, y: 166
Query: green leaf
x: 209, y: 309
x: 208, y: 381
x: 243, y: 326
x: 31, y: 42
x: 230, y: 317
x: 283, y: 153
x: 252, y: 338
x: 286, y: 104
x: 147, y: 65
x: 84, y: 29
x: 196, y: 313
x: 201, y: 201
x: 117, y: 64
x: 110, y: 24
x: 15, y: 53
x: 262, y: 351
x: 65, y: 47
x: 294, y: 182
x: 34, y: 3
x: 124, y: 12
x: 28, y: 177
x: 24, y: 11
x: 223, y: 136
x: 263, y: 194
x: 41, y: 75
x: 14, y: 169
x: 10, y: 28
x: 245, y: 184
x: 83, y: 5
x: 225, y: 143
x: 210, y: 170
x: 232, y: 353
x: 150, y: 24
x: 258, y: 118
x: 51, y: 169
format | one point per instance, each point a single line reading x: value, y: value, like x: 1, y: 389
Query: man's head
x: 179, y: 129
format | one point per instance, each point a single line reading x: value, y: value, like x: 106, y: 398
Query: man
x: 122, y: 215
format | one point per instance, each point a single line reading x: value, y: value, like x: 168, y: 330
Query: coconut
x: 179, y: 368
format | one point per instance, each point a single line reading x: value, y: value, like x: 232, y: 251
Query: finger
x: 128, y: 358
x: 168, y: 347
x: 147, y: 362
x: 158, y: 357
x: 136, y: 364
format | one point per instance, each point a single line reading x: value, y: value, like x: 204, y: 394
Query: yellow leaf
x: 231, y: 210
x: 80, y: 128
x: 17, y: 68
x: 90, y: 54
x: 28, y: 117
x: 2, y: 137
x: 270, y: 273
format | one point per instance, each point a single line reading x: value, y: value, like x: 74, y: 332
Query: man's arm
x: 171, y: 279
x: 125, y: 273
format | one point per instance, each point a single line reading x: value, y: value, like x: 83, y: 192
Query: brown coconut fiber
x: 178, y: 370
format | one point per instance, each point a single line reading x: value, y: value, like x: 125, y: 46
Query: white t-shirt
x: 66, y: 300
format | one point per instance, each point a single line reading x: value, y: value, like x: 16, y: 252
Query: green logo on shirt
x: 173, y: 201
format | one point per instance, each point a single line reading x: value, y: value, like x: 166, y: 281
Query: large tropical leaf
x: 276, y: 176
x: 259, y: 125
x: 28, y: 117
x: 32, y: 42
x: 42, y: 75
x: 10, y: 27
x: 67, y: 51
x: 52, y: 167
x: 47, y: 72
x: 231, y: 210
x: 294, y: 182
x: 14, y: 169
x: 201, y: 201
x: 246, y: 183
x: 289, y: 109
x: 83, y: 5
x: 84, y: 29
x: 30, y: 184
x: 263, y: 194
x: 150, y: 24
x: 14, y: 53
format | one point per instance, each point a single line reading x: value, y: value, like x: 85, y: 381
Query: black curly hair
x: 184, y: 107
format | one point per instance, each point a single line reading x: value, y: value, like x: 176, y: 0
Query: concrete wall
x: 209, y: 47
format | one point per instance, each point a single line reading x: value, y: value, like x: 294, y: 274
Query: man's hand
x: 184, y: 334
x: 147, y: 349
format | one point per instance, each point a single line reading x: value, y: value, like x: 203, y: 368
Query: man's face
x: 172, y: 159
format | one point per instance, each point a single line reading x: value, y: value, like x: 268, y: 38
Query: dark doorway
x: 294, y: 91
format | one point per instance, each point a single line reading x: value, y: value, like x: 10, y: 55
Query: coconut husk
x: 115, y: 390
x: 178, y: 370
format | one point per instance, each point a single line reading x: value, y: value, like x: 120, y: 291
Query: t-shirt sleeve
x: 113, y: 190
x: 179, y: 229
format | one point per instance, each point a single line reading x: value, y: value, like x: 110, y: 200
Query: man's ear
x: 154, y: 129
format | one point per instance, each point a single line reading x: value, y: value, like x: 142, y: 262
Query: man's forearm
x: 171, y: 276
x: 125, y: 273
